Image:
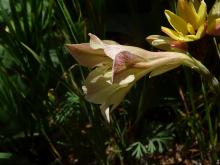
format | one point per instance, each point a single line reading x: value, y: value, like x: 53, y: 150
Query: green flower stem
x: 216, y: 46
x: 212, y: 81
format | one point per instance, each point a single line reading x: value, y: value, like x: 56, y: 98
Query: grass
x: 44, y: 116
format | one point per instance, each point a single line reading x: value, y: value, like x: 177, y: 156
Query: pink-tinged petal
x: 124, y: 60
x: 160, y: 62
x: 140, y: 54
x: 113, y: 50
x: 87, y: 56
x: 127, y: 63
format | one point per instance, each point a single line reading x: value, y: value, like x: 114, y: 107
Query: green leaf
x: 5, y: 155
x: 32, y: 53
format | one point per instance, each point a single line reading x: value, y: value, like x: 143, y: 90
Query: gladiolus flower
x: 118, y: 67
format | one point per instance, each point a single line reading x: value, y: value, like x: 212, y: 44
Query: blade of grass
x: 68, y: 20
x: 34, y: 54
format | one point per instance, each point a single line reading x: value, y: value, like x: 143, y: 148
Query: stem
x: 216, y: 46
x: 190, y: 88
x: 212, y: 80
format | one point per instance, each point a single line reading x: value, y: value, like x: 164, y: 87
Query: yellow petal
x: 214, y: 12
x: 187, y: 11
x: 184, y: 38
x: 201, y: 31
x: 196, y: 4
x: 176, y: 22
x: 214, y: 27
x: 214, y: 19
x: 190, y: 29
x: 202, y: 13
x: 173, y: 34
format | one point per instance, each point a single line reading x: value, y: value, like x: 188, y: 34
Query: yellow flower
x: 214, y: 20
x: 189, y: 24
x: 118, y: 67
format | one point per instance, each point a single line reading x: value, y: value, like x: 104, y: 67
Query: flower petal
x: 200, y: 32
x: 202, y: 13
x: 113, y: 50
x: 214, y: 19
x: 173, y: 34
x: 100, y: 90
x: 167, y: 43
x: 184, y: 38
x: 214, y: 27
x: 190, y: 29
x: 176, y: 22
x: 214, y: 13
x: 83, y: 52
x: 187, y: 11
x: 160, y: 42
x: 95, y: 42
x: 163, y: 69
x: 124, y: 60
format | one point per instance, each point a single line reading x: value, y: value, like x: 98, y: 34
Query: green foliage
x: 158, y: 141
x: 139, y: 150
x: 5, y: 155
x: 43, y: 114
x: 160, y: 138
x: 69, y: 107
